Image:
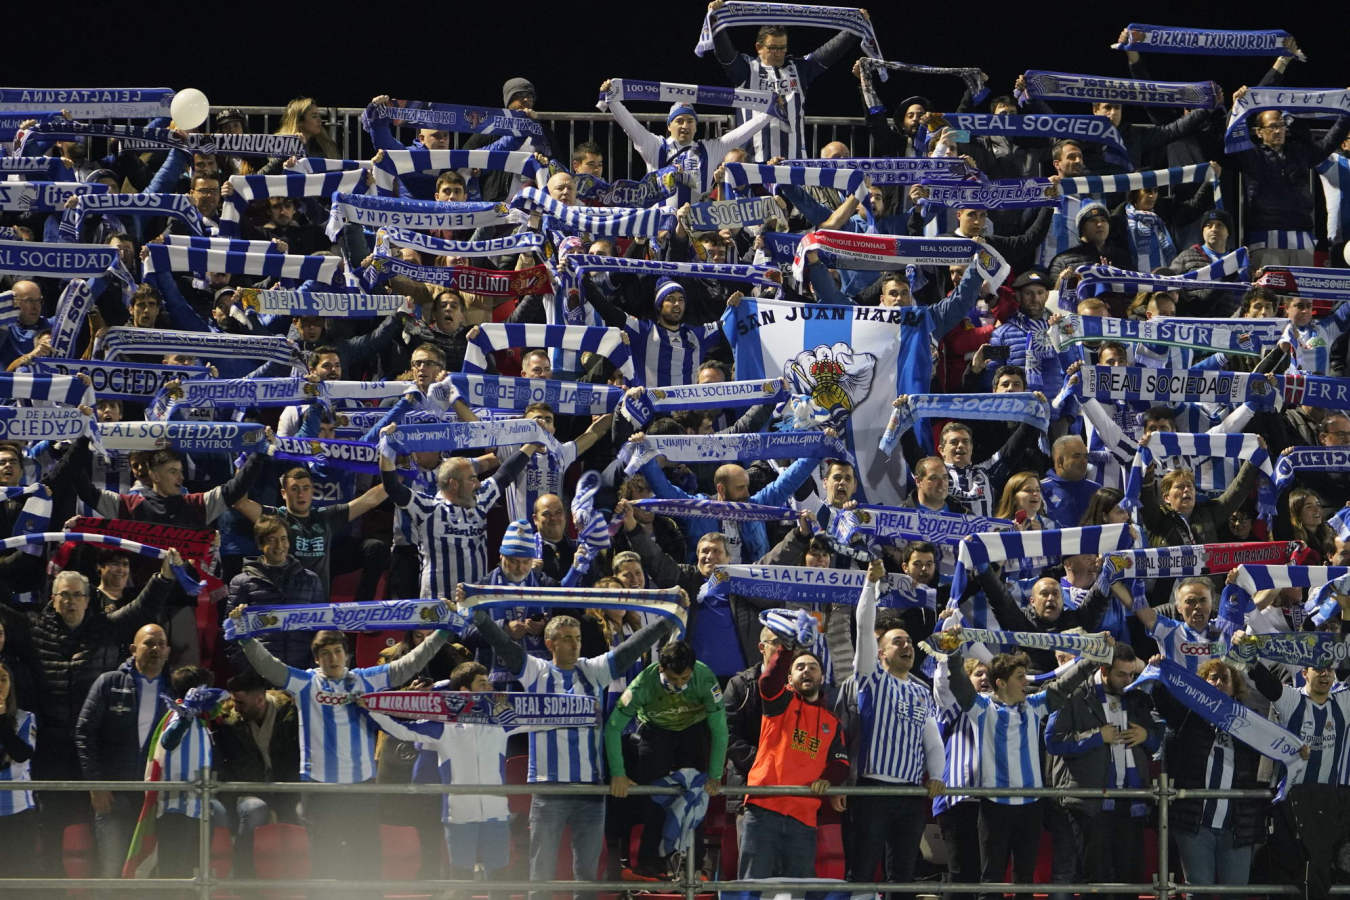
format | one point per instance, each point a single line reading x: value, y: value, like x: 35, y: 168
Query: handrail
x: 204, y: 883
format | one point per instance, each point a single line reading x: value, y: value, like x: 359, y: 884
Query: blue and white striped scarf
x: 233, y: 393
x: 974, y: 78
x: 733, y: 447
x: 248, y: 188
x: 718, y: 395
x: 374, y: 615
x: 1309, y: 459
x: 188, y: 583
x: 597, y: 221
x: 72, y: 308
x: 450, y: 436
x: 1044, y: 85
x: 174, y: 206
x: 649, y: 190
x: 800, y: 626
x: 1093, y: 129
x: 685, y: 810
x: 1017, y: 407
x: 185, y: 437
x: 492, y: 337
x: 1007, y: 193
x: 49, y: 260
x: 1246, y: 337
x: 349, y: 456
x: 122, y: 340
x: 893, y: 169
x: 318, y: 165
x: 273, y: 263
x: 624, y: 89
x: 1207, y: 41
x: 1150, y: 241
x: 10, y: 122
x: 738, y: 13
x: 724, y: 510
x: 896, y: 525
x: 395, y: 163
x: 403, y: 212
x: 1322, y: 583
x: 36, y: 512
x: 1094, y: 647
x: 714, y: 214
x: 43, y: 423
x: 319, y: 303
x: 1121, y: 383
x: 1123, y: 183
x: 520, y: 242
x: 118, y: 381
x: 64, y: 389
x: 487, y: 282
x: 1099, y: 279
x: 814, y: 586
x: 282, y: 146
x: 1299, y: 102
x: 984, y: 548
x: 1318, y: 649
x: 51, y: 168
x: 1164, y: 444
x: 743, y: 175
x: 1307, y: 281
x: 664, y: 603
x: 581, y: 263
x: 453, y: 117
x: 90, y: 103
x: 44, y: 196
x: 566, y: 398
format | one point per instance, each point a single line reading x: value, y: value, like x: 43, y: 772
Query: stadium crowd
x: 693, y: 622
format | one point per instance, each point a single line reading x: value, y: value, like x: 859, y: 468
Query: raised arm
x: 865, y: 654
x: 272, y: 670
x: 402, y: 670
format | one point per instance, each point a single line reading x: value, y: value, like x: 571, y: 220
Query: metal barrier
x: 204, y: 883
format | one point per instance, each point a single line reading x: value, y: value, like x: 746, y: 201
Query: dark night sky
x: 342, y: 54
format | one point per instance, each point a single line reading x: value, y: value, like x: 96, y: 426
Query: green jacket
x: 648, y: 700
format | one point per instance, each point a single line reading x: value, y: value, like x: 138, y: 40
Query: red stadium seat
x: 281, y: 851
x: 369, y: 645
x: 77, y: 851
x: 830, y: 851
x: 222, y: 852
x: 402, y: 852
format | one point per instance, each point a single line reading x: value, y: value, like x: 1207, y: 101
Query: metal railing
x: 204, y: 883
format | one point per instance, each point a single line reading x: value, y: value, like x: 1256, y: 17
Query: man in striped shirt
x: 1194, y: 638
x: 451, y: 528
x: 1009, y: 724
x: 566, y: 755
x: 665, y: 351
x: 901, y: 745
x: 958, y: 817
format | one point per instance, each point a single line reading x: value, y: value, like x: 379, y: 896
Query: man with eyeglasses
x: 772, y: 69
x: 1276, y: 191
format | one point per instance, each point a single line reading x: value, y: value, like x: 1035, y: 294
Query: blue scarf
x: 453, y: 117
x: 894, y: 169
x: 36, y: 513
x: 884, y: 252
x: 1223, y: 712
x: 896, y: 525
x: 48, y: 168
x: 649, y: 190
x: 1236, y: 601
x: 1139, y: 383
x: 124, y: 340
x: 1164, y: 444
x: 1087, y: 646
x: 1006, y: 193
x: 72, y: 308
x: 199, y: 259
x: 714, y: 214
x: 1317, y: 649
x: 320, y: 303
x: 581, y: 263
x: 395, y: 163
x: 565, y: 398
x: 664, y: 603
x: 1132, y: 181
x: 992, y: 547
x: 723, y: 448
x: 1300, y: 102
x: 118, y: 381
x: 1307, y: 281
x: 738, y: 13
x: 814, y: 586
x: 1149, y: 238
x: 43, y: 423
x: 716, y: 395
x: 293, y: 184
x: 43, y: 196
x: 1193, y: 559
x: 349, y: 456
x: 520, y: 242
x: 597, y: 221
x: 90, y: 103
x: 507, y: 710
x: 492, y: 337
x: 44, y: 260
x: 64, y: 389
x: 743, y: 175
x: 1019, y: 407
x: 186, y: 581
x: 1207, y: 41
x: 403, y: 212
x: 723, y: 510
x: 175, y: 206
x: 451, y: 436
x: 140, y: 137
x: 234, y: 393
x: 186, y: 437
x: 1093, y: 129
x: 486, y: 282
x: 1310, y: 459
x: 667, y: 92
x: 1096, y: 89
x: 1240, y: 336
x: 1098, y: 279
x: 376, y: 615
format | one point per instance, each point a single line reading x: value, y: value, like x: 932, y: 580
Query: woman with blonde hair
x: 303, y: 117
x: 1022, y: 495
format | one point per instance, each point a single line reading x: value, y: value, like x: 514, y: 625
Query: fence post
x: 1162, y: 881
x: 204, y: 834
x: 691, y: 871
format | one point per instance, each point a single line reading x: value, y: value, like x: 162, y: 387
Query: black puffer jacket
x: 73, y: 658
x: 107, y: 734
x: 288, y: 585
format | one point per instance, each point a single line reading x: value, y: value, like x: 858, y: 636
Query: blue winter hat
x: 520, y: 541
x: 665, y: 287
x: 681, y: 109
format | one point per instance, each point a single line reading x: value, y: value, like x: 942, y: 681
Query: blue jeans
x: 112, y: 832
x: 548, y: 817
x: 775, y: 846
x: 1209, y: 857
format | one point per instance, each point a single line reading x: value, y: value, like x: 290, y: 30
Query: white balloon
x: 189, y: 108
